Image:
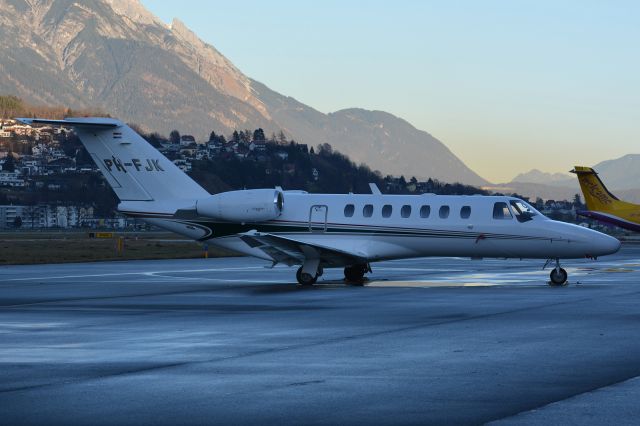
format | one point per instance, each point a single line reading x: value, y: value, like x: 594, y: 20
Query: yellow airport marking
x: 618, y: 270
x: 104, y: 234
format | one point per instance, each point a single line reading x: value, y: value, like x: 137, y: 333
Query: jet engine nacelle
x: 250, y: 205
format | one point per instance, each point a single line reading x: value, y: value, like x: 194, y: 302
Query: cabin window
x: 465, y: 212
x: 444, y: 212
x: 405, y: 211
x: 501, y: 211
x: 386, y: 210
x: 349, y: 209
x: 367, y: 210
x: 425, y: 211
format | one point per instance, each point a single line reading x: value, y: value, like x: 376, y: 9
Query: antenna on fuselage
x: 374, y: 189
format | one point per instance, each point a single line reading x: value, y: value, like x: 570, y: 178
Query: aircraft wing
x: 293, y: 252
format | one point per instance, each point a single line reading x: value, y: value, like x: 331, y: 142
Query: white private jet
x: 318, y: 231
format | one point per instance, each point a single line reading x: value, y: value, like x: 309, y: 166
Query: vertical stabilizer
x: 597, y: 197
x: 135, y: 170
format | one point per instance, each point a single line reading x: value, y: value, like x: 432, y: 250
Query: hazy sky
x: 507, y: 85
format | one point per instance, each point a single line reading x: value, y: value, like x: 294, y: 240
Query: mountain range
x: 536, y: 176
x: 620, y: 175
x: 117, y: 56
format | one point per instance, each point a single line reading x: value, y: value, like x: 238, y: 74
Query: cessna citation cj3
x: 318, y: 231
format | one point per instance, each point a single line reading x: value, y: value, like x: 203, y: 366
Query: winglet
x: 374, y: 188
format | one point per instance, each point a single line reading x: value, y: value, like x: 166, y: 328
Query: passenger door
x: 318, y: 218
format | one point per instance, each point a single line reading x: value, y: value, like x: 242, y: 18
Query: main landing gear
x: 305, y: 279
x: 354, y: 274
x: 558, y: 276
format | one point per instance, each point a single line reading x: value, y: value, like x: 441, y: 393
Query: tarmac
x: 227, y: 341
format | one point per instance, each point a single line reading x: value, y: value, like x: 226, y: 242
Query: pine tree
x: 282, y: 138
x: 9, y: 163
x: 577, y: 201
x: 174, y: 137
x: 258, y: 135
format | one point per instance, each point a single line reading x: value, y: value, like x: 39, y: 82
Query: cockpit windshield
x: 523, y: 211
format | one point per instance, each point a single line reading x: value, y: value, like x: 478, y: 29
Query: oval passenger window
x: 465, y: 212
x: 444, y: 212
x: 349, y: 209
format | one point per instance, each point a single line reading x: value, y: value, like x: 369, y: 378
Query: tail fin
x: 135, y: 170
x: 596, y: 195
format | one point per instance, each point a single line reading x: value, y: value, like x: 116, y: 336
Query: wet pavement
x: 227, y: 341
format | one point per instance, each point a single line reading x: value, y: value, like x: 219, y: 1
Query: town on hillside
x: 48, y: 180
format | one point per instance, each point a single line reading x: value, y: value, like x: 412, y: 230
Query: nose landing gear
x: 558, y: 276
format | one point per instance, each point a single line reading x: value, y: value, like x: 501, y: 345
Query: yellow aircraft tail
x: 596, y: 196
x: 602, y: 205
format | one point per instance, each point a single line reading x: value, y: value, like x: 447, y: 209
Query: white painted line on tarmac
x: 225, y: 280
x: 118, y: 274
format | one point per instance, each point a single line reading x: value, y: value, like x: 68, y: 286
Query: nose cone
x: 606, y: 244
x: 588, y: 242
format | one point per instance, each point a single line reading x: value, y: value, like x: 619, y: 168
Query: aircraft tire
x: 355, y: 274
x: 558, y: 277
x: 305, y: 280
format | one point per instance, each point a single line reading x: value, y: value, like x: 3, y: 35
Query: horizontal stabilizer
x: 582, y: 169
x: 87, y: 122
